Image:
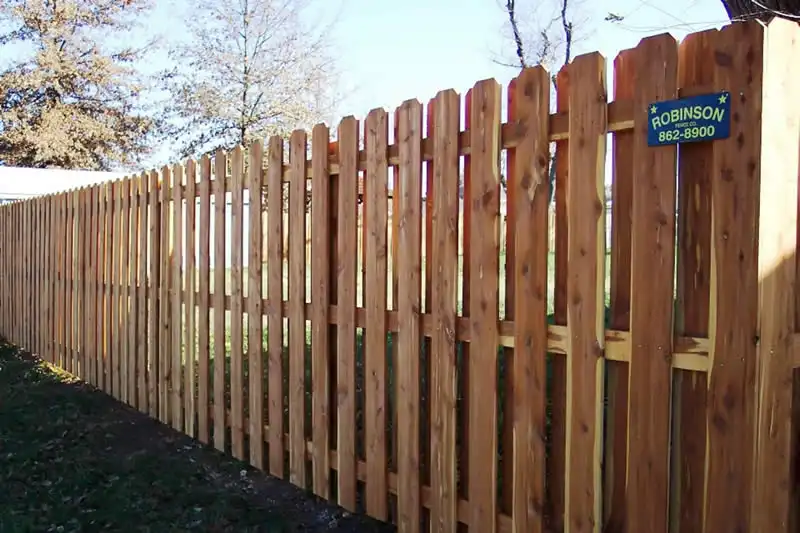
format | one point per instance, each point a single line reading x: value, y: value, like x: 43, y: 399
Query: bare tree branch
x: 253, y: 69
x: 567, y: 26
x: 542, y: 47
x: 512, y: 18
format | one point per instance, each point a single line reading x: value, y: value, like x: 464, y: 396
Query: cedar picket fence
x: 407, y: 343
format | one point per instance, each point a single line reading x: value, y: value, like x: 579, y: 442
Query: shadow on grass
x: 73, y: 459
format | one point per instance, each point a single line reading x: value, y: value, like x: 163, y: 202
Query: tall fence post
x: 777, y: 272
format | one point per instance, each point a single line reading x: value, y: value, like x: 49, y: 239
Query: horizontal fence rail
x: 399, y: 320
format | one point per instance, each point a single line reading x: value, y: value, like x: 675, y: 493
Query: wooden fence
x: 379, y: 371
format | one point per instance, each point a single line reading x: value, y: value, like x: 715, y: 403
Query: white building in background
x: 19, y: 183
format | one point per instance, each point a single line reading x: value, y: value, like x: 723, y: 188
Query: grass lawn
x: 72, y: 459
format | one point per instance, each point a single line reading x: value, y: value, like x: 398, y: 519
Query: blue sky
x: 391, y: 50
x: 394, y: 50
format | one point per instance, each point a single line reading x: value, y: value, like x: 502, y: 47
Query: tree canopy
x: 253, y: 69
x: 70, y: 98
x: 762, y: 9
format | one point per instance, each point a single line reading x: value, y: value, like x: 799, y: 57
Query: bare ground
x: 73, y: 459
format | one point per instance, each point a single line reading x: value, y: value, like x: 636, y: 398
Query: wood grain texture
x: 220, y: 355
x: 484, y: 200
x: 122, y: 367
x: 444, y: 292
x: 506, y: 390
x: 69, y: 279
x: 585, y: 287
x: 237, y: 303
x: 555, y: 489
x: 95, y: 298
x: 110, y: 310
x: 154, y: 308
x: 321, y: 273
x: 275, y: 316
x: 652, y: 257
x: 530, y: 183
x: 203, y: 300
x: 131, y: 266
x: 297, y: 308
x: 346, y: 325
x: 175, y: 285
x: 375, y: 301
x: 616, y: 427
x: 117, y: 241
x: 733, y: 321
x: 255, y: 320
x: 165, y: 341
x: 409, y: 189
x: 189, y: 300
x: 100, y: 303
x: 692, y: 307
x: 46, y: 244
x: 129, y: 258
x: 142, y: 344
x: 774, y: 497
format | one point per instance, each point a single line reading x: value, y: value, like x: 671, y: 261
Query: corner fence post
x: 777, y: 272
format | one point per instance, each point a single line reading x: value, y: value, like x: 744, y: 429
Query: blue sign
x: 700, y: 118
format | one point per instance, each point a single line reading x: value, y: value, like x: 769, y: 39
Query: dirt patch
x: 72, y: 459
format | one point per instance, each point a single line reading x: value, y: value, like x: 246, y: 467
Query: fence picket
x: 775, y: 494
x: 204, y: 304
x: 484, y: 198
x: 346, y: 312
x: 616, y: 427
x: 275, y: 367
x: 154, y: 307
x: 190, y: 302
x: 734, y: 287
x: 321, y: 262
x: 106, y: 261
x: 69, y: 316
x: 557, y: 465
x: 376, y: 218
x: 174, y: 383
x: 116, y: 353
x: 218, y: 300
x: 529, y: 107
x: 127, y: 235
x: 255, y: 323
x: 690, y: 389
x: 444, y: 306
x: 46, y: 279
x: 237, y: 333
x: 409, y: 187
x: 297, y: 306
x: 653, y: 254
x: 167, y: 250
x: 94, y: 296
x: 585, y: 283
x: 141, y: 296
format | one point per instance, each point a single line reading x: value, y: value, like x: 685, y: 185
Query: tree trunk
x: 762, y: 10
